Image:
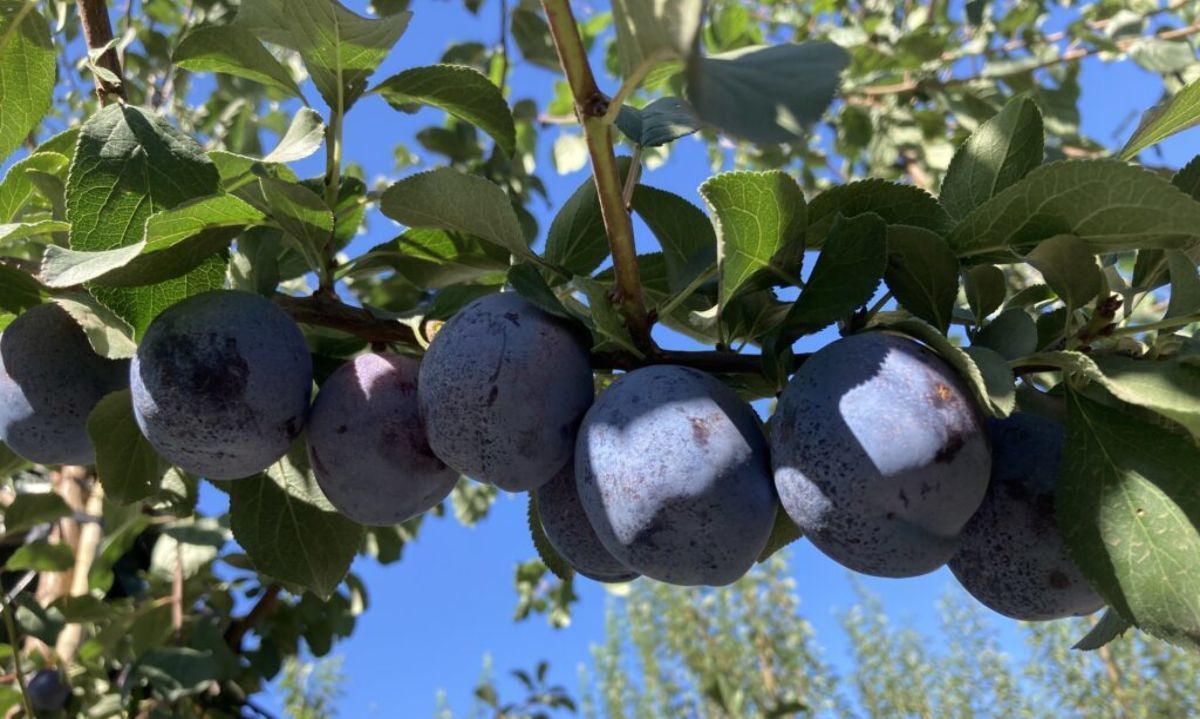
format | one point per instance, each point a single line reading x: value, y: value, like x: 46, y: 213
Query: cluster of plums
x: 876, y: 449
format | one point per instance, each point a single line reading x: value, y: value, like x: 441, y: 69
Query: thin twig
x: 177, y: 593
x: 592, y: 107
x: 503, y: 45
x: 266, y: 605
x: 11, y: 627
x: 98, y: 32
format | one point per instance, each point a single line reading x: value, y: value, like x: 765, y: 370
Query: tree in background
x: 191, y: 115
x: 746, y: 650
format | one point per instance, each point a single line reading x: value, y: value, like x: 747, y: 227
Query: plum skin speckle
x: 1012, y: 557
x: 880, y: 454
x: 50, y: 381
x: 672, y: 470
x: 367, y: 443
x: 571, y: 533
x: 221, y: 384
x: 502, y: 390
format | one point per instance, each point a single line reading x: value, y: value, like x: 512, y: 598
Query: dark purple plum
x: 571, y: 534
x: 1011, y: 556
x: 47, y: 690
x: 221, y: 384
x: 503, y: 388
x: 880, y: 454
x: 50, y: 380
x: 672, y: 470
x: 367, y: 444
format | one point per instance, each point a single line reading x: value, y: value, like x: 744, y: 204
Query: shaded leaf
x: 27, y: 70
x: 922, y: 273
x: 461, y: 91
x: 897, y: 204
x: 450, y: 200
x: 1068, y: 268
x: 233, y: 50
x: 1000, y: 152
x: 686, y: 235
x: 1128, y: 511
x: 766, y: 94
x: 663, y: 121
x: 126, y: 464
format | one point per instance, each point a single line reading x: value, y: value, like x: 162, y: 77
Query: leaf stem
x: 631, y: 179
x: 592, y: 108
x: 1168, y: 324
x: 333, y: 186
x: 98, y: 32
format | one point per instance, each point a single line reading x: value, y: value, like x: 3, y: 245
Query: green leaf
x: 109, y: 335
x: 846, y: 275
x: 783, y: 532
x: 196, y: 542
x: 922, y: 273
x: 30, y: 510
x: 653, y: 31
x: 19, y: 291
x: 999, y: 153
x: 450, y: 200
x: 1109, y: 205
x: 760, y: 219
x: 1170, y: 387
x: 340, y: 48
x: 130, y: 164
x: 176, y: 672
x: 661, y: 122
x: 1069, y: 268
x: 10, y: 463
x: 304, y: 135
x: 532, y: 35
x: 998, y: 379
x: 1128, y: 511
x: 529, y: 283
x: 1165, y: 119
x: 461, y: 91
x: 766, y: 94
x: 577, y: 240
x: 17, y: 187
x: 27, y: 71
x: 233, y: 50
x: 289, y: 529
x: 607, y: 322
x: 41, y: 556
x: 1185, y: 285
x: 1110, y: 626
x: 1013, y: 334
x: 302, y: 214
x: 546, y: 551
x: 897, y: 204
x: 175, y: 242
x: 126, y: 464
x: 686, y: 235
x: 986, y: 288
x: 435, y: 258
x: 23, y: 230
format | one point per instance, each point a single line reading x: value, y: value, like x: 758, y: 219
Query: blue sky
x: 434, y: 615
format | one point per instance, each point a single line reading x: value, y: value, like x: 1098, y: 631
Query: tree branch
x: 85, y: 554
x: 98, y: 32
x: 592, y: 106
x: 266, y: 605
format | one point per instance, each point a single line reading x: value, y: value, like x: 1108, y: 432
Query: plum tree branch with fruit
x: 951, y: 375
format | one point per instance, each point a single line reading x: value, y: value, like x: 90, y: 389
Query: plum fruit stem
x: 592, y: 108
x: 98, y: 32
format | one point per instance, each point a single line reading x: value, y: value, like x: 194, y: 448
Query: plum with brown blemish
x: 502, y: 390
x: 1011, y: 556
x: 50, y: 381
x: 221, y: 384
x: 672, y: 470
x: 570, y: 532
x: 880, y: 454
x: 367, y: 443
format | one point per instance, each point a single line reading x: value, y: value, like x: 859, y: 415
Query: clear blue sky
x: 434, y: 615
